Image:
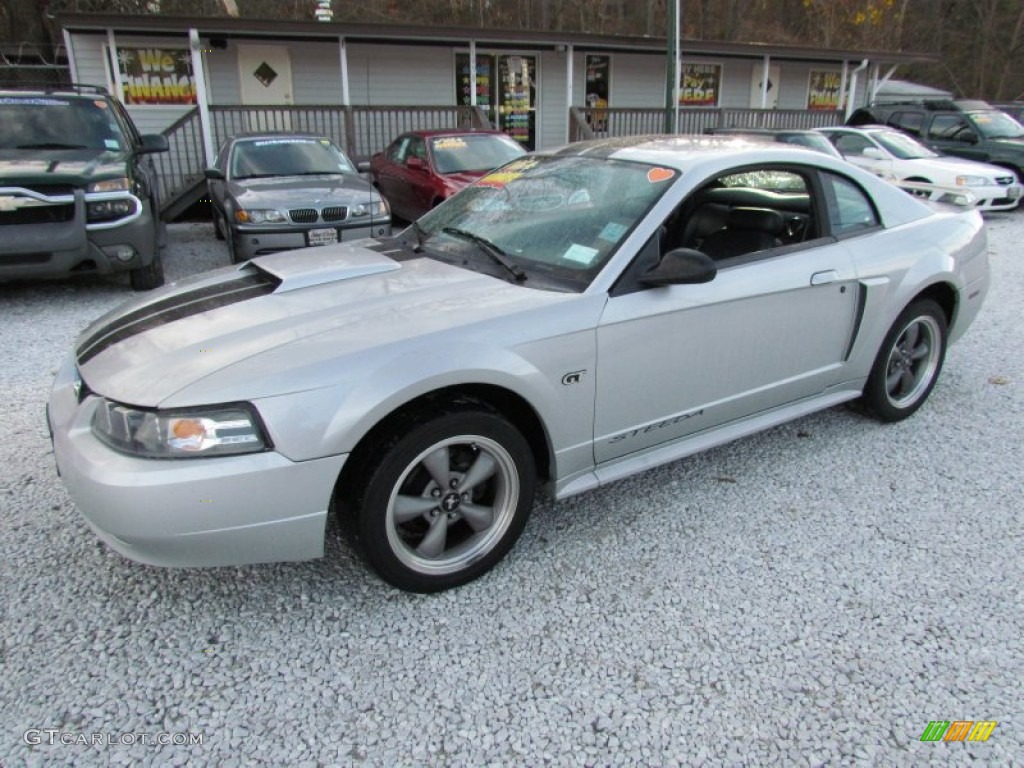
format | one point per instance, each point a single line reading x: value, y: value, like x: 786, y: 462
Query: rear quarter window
x: 850, y: 210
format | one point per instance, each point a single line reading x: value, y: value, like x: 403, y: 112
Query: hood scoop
x: 326, y: 264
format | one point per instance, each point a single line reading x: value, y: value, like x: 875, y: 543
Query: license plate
x: 322, y: 236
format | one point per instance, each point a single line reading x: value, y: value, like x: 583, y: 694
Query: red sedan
x: 423, y: 168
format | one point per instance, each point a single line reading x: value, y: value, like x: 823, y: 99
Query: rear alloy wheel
x: 908, y: 363
x: 446, y: 500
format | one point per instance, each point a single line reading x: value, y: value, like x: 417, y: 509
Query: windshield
x: 557, y: 217
x: 902, y: 146
x: 289, y: 156
x: 56, y: 122
x: 997, y: 125
x: 481, y: 152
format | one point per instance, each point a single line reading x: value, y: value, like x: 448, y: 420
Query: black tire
x: 908, y: 363
x: 149, y: 277
x: 411, y: 519
x: 218, y: 222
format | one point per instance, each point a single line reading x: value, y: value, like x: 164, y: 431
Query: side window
x: 950, y: 127
x: 417, y: 148
x: 910, y: 122
x: 849, y: 209
x: 396, y: 152
x: 850, y: 144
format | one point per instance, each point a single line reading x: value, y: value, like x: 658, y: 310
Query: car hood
x: 300, y: 190
x: 280, y: 318
x: 76, y: 167
x: 960, y: 165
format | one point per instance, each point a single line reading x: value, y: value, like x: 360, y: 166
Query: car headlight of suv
x: 181, y: 433
x: 121, y: 184
x: 973, y: 181
x: 373, y: 208
x: 259, y: 216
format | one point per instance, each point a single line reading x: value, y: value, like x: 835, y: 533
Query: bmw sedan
x: 573, y: 318
x: 277, y: 192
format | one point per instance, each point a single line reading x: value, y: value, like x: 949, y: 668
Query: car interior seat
x: 746, y: 230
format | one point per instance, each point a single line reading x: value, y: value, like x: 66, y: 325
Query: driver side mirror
x: 415, y: 163
x: 681, y: 266
x: 967, y: 136
x: 874, y: 153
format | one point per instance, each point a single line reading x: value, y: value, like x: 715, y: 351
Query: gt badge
x: 574, y: 377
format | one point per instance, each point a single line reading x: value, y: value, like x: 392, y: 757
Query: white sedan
x: 902, y: 159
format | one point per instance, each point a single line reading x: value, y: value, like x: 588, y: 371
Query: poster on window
x: 823, y: 90
x: 517, y: 98
x: 598, y: 69
x: 152, y: 75
x: 467, y: 81
x: 699, y: 84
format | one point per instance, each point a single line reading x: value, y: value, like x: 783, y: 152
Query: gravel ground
x: 814, y: 595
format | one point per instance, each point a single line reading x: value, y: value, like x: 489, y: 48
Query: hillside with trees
x: 980, y: 42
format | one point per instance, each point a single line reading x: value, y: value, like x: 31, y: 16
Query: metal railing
x: 360, y: 131
x: 604, y: 122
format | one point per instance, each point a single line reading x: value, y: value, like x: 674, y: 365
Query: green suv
x: 972, y: 129
x: 78, y: 192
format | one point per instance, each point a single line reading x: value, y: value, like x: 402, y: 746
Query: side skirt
x: 638, y: 462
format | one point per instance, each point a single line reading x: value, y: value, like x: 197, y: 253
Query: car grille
x: 334, y: 214
x: 303, y: 215
x: 38, y: 214
x: 176, y: 308
x: 1005, y: 181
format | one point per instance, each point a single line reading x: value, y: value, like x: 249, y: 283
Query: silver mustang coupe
x: 571, y: 319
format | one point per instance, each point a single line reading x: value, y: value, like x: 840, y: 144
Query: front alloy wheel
x: 908, y: 363
x: 447, y: 501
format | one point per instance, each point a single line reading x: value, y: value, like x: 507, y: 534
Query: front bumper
x: 252, y: 241
x: 189, y: 512
x: 60, y: 248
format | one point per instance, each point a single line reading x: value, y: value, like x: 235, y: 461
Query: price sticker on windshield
x: 656, y: 175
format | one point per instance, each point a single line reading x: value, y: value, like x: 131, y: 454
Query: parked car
x: 809, y: 139
x: 896, y: 156
x: 964, y: 128
x: 280, y: 191
x: 422, y: 169
x: 571, y: 319
x: 1014, y: 109
x: 78, y: 191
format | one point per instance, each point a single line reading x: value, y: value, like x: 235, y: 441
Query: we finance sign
x: 156, y: 76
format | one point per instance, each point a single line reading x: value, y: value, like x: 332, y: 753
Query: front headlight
x: 973, y: 181
x: 182, y: 433
x: 374, y: 208
x: 259, y: 216
x: 122, y: 184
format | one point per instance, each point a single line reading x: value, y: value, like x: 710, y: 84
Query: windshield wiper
x: 51, y: 145
x: 497, y: 255
x: 417, y: 230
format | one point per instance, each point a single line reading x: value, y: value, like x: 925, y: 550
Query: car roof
x: 685, y: 152
x: 271, y: 135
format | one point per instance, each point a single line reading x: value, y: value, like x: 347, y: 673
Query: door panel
x: 677, y: 360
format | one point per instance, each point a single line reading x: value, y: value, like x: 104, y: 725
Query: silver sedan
x: 277, y: 192
x: 573, y: 318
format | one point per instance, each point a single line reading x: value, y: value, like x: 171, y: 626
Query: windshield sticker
x: 612, y: 232
x: 660, y: 174
x: 100, y: 104
x: 34, y: 101
x: 581, y: 254
x: 111, y: 144
x: 269, y: 142
x: 508, y: 173
x: 449, y: 143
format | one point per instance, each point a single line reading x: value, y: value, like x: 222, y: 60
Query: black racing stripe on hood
x: 174, y: 308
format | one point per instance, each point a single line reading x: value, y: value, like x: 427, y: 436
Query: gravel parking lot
x: 814, y: 595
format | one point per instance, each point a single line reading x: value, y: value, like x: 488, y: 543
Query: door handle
x: 825, y: 277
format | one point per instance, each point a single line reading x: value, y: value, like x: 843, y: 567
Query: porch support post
x: 765, y: 71
x: 343, y: 63
x: 472, y: 74
x: 199, y: 75
x: 568, y: 87
x: 70, y: 53
x: 844, y: 78
x: 115, y: 69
